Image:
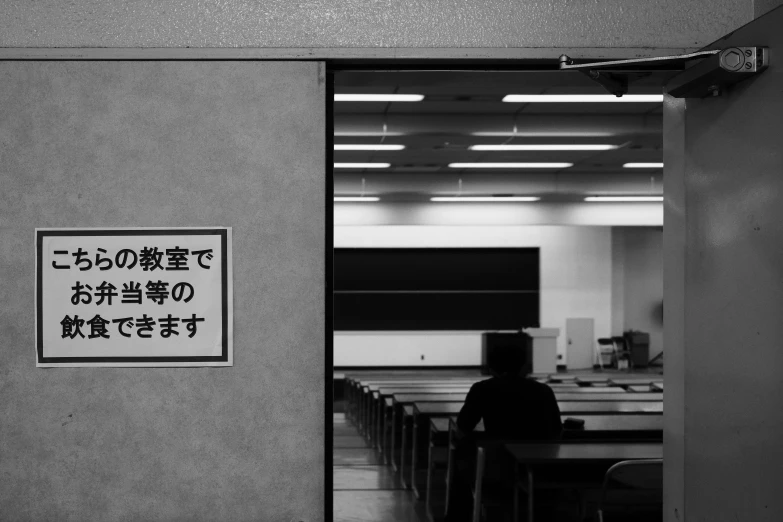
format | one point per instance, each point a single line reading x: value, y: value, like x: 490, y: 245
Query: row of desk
x: 410, y: 419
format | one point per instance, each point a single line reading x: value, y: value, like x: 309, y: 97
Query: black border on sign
x: 40, y: 234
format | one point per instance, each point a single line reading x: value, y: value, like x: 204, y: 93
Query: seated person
x: 512, y: 406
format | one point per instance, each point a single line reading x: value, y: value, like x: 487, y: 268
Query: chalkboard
x: 436, y: 288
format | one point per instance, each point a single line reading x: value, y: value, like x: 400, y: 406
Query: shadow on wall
x: 657, y: 314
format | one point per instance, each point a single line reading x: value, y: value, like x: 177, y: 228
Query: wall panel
x: 168, y: 144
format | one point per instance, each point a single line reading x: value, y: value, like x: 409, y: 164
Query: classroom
x: 344, y: 212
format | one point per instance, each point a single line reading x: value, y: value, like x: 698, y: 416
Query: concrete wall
x: 575, y: 276
x: 162, y: 144
x: 357, y: 24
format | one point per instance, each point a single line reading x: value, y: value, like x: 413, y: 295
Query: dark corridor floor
x: 364, y: 489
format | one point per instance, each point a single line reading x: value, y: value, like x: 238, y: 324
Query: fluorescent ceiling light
x: 643, y: 165
x: 510, y: 165
x: 356, y: 199
x: 493, y: 199
x: 378, y: 146
x: 361, y: 165
x: 623, y: 198
x: 378, y: 97
x: 545, y: 134
x: 543, y: 147
x: 371, y: 134
x: 583, y: 98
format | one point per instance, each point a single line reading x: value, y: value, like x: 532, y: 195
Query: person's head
x: 507, y: 360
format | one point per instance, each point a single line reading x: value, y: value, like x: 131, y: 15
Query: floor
x: 364, y: 489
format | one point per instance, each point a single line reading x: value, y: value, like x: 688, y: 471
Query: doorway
x: 445, y: 159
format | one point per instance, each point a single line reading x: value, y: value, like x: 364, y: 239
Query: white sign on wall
x: 133, y: 297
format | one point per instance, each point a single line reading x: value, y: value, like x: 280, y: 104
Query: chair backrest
x: 620, y: 340
x: 642, y: 474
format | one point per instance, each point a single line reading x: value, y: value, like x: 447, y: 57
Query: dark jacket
x: 512, y: 407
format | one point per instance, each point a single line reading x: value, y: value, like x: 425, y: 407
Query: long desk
x: 356, y: 385
x: 586, y: 379
x: 639, y: 388
x: 592, y: 412
x: 440, y: 464
x: 627, y: 381
x: 367, y: 403
x: 377, y: 417
x: 529, y: 458
x: 393, y: 418
x: 370, y: 391
x: 584, y: 395
x: 373, y: 413
x: 597, y: 388
x: 358, y: 388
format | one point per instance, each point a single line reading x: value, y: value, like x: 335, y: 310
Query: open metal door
x: 723, y: 288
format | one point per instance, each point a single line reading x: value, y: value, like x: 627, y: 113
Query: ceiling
x: 457, y: 104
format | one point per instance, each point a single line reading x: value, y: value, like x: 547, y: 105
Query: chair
x: 618, y: 350
x: 641, y: 484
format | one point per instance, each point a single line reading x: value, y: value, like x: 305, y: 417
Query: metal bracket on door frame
x: 718, y: 68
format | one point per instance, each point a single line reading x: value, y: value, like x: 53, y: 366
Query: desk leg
x: 366, y: 414
x: 403, y: 449
x: 529, y: 494
x: 392, y: 449
x: 516, y: 492
x: 359, y: 403
x: 414, y: 460
x: 385, y: 440
x: 375, y: 418
x: 449, y: 470
x: 378, y: 424
x: 428, y: 498
x: 348, y: 401
x: 371, y: 427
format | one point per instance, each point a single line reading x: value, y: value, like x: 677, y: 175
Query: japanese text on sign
x: 133, y: 294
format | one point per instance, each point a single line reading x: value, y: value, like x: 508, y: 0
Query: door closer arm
x: 716, y: 70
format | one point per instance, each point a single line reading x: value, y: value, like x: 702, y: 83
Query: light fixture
x: 510, y: 165
x: 613, y: 199
x: 476, y: 199
x: 378, y: 97
x: 361, y: 165
x: 544, y: 134
x: 377, y: 146
x: 583, y: 98
x: 643, y: 165
x: 356, y: 199
x: 544, y: 147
